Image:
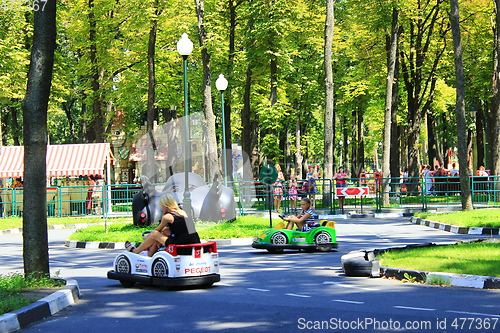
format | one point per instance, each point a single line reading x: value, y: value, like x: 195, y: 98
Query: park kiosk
x: 71, y: 160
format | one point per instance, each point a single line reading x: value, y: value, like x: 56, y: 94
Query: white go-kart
x: 177, y: 266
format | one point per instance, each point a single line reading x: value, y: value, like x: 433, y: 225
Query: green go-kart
x: 321, y: 237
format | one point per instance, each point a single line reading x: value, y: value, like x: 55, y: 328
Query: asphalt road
x: 261, y: 292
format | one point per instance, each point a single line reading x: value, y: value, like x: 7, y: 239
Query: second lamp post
x: 221, y: 84
x: 185, y: 47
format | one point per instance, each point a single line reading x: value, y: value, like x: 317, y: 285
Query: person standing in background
x: 341, y: 181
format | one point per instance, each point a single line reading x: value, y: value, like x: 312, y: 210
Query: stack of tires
x: 361, y: 263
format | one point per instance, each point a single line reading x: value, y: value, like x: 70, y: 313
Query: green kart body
x: 322, y: 237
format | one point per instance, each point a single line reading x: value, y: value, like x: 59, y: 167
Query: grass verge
x: 13, y: 286
x: 489, y: 217
x: 467, y: 258
x: 243, y: 227
x: 17, y: 222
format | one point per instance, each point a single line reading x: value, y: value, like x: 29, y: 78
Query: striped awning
x: 62, y: 160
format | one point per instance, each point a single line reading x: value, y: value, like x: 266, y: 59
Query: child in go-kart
x: 304, y: 220
x: 175, y: 219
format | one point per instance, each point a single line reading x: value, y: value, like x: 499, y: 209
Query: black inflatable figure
x: 215, y: 203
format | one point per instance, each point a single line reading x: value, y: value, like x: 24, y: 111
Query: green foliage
x: 475, y: 218
x: 287, y: 33
x: 244, y: 226
x: 12, y: 285
x: 17, y: 222
x: 468, y: 258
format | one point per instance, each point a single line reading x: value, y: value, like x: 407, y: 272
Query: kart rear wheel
x: 123, y: 265
x: 160, y: 268
x: 323, y: 241
x: 279, y: 238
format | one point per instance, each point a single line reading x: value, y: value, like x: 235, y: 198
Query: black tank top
x: 180, y: 233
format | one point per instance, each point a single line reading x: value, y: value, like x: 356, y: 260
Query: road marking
x: 257, y: 289
x: 474, y: 313
x: 344, y: 301
x: 295, y: 295
x: 224, y: 284
x: 340, y: 284
x: 412, y: 308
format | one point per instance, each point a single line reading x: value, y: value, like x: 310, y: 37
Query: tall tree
x: 35, y: 104
x: 463, y: 152
x: 495, y: 107
x: 391, y: 68
x: 419, y: 62
x: 329, y: 141
x: 151, y: 116
x: 207, y: 92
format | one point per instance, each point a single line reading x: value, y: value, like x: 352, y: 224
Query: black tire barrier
x: 360, y: 263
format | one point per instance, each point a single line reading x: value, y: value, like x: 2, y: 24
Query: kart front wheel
x: 123, y: 265
x: 279, y: 238
x: 160, y: 268
x: 323, y: 241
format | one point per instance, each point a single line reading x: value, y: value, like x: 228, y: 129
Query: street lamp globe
x: 184, y: 45
x: 221, y: 83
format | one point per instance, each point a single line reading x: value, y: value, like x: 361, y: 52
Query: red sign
x: 352, y: 191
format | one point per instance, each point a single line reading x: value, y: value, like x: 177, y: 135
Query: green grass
x: 489, y: 217
x: 470, y: 258
x: 12, y: 285
x: 243, y: 227
x: 17, y: 222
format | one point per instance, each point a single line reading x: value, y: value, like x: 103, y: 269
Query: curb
x: 455, y: 229
x: 46, y: 307
x: 121, y: 245
x: 440, y: 278
x: 451, y: 279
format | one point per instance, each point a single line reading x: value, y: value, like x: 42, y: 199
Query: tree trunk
x: 461, y: 124
x: 480, y: 136
x: 345, y: 145
x: 494, y: 124
x: 228, y: 92
x: 391, y: 67
x: 360, y: 155
x: 395, y: 130
x: 97, y: 117
x: 67, y: 110
x: 150, y: 113
x: 15, y: 130
x: 274, y: 82
x: 431, y: 140
x: 85, y: 133
x: 298, y: 151
x: 34, y: 105
x: 213, y: 162
x: 329, y: 140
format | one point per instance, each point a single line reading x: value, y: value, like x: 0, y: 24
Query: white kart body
x: 189, y: 264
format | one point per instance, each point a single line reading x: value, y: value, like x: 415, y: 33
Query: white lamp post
x: 221, y: 84
x: 185, y: 47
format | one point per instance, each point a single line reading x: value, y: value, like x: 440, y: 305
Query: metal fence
x: 420, y: 194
